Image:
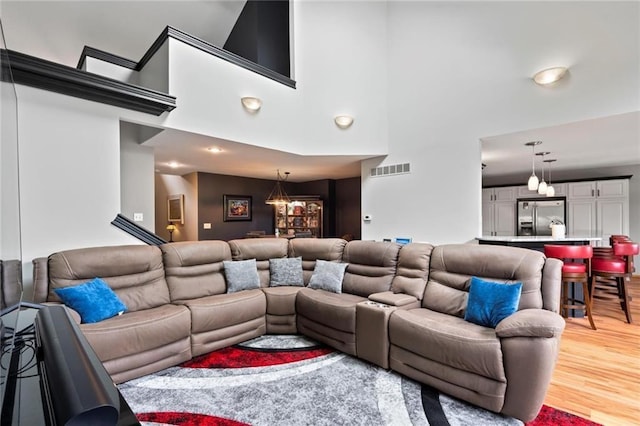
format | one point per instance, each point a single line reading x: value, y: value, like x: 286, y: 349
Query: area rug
x: 292, y: 380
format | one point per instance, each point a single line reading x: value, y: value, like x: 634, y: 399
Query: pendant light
x: 278, y: 195
x: 551, y: 192
x: 542, y: 187
x: 533, y: 179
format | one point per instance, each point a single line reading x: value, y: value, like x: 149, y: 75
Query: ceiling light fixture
x: 214, y: 150
x: 251, y: 104
x: 532, y: 184
x: 173, y: 165
x: 550, y: 189
x: 549, y: 76
x: 278, y: 196
x: 343, y: 121
x: 542, y: 186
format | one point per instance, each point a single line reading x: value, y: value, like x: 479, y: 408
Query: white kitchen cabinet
x: 505, y: 193
x: 614, y: 188
x: 499, y: 211
x: 612, y: 218
x: 598, y: 208
x: 581, y: 218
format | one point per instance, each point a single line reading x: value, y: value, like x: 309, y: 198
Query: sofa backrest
x: 260, y: 249
x: 194, y: 268
x: 372, y: 266
x: 412, y: 271
x: 135, y: 273
x: 453, y: 265
x: 10, y: 282
x: 312, y: 249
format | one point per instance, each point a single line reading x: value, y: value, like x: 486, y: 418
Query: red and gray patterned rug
x: 291, y: 380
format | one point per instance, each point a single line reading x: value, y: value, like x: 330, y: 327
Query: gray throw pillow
x: 286, y: 271
x: 241, y: 275
x: 328, y: 276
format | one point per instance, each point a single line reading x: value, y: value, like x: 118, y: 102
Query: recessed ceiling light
x: 550, y: 75
x: 173, y: 164
x: 214, y: 149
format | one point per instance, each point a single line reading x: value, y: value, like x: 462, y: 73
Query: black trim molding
x: 193, y: 42
x: 105, y: 56
x: 36, y: 72
x: 132, y: 228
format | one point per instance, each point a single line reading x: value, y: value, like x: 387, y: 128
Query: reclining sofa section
x: 401, y: 307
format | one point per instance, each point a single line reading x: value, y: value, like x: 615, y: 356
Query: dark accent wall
x: 211, y: 189
x: 341, y: 203
x: 261, y: 35
x: 348, y: 207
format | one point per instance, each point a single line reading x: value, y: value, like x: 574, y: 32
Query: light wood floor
x: 598, y: 372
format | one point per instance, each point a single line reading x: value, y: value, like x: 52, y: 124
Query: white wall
x: 107, y: 69
x: 453, y: 78
x: 136, y: 177
x: 9, y: 196
x: 340, y: 65
x: 172, y: 185
x: 69, y: 175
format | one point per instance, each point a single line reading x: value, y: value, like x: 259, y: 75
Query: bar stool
x: 573, y: 272
x: 616, y: 269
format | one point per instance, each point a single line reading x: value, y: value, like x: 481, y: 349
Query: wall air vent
x: 395, y: 169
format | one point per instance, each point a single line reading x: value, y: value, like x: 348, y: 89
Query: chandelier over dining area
x: 278, y: 195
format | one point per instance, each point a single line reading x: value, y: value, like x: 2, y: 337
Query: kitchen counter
x: 536, y: 242
x: 539, y: 238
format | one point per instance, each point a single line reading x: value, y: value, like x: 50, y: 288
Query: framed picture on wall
x: 237, y: 207
x: 175, y: 208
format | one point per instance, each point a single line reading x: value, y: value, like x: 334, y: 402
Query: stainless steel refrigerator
x: 535, y: 215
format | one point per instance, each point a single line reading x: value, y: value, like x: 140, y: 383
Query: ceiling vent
x: 394, y: 169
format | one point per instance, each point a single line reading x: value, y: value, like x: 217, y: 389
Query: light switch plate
x: 206, y: 225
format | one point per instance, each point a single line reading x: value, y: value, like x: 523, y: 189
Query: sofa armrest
x: 531, y: 323
x: 40, y: 279
x: 75, y: 316
x: 399, y: 300
x: 11, y: 282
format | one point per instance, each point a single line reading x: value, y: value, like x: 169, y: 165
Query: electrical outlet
x: 138, y: 217
x: 206, y: 225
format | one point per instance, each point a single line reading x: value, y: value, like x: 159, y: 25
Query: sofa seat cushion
x: 448, y: 340
x: 337, y: 311
x: 224, y: 310
x: 139, y: 331
x: 281, y: 300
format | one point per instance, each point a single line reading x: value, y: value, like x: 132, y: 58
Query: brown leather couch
x: 401, y: 307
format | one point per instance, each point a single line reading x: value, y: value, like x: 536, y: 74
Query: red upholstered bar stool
x: 616, y: 270
x: 576, y: 268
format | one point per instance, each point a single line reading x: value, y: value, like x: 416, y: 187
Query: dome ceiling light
x: 549, y: 76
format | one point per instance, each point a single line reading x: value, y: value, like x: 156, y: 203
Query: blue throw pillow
x: 489, y: 302
x: 93, y: 300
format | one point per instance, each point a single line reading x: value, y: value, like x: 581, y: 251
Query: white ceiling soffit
x: 189, y: 150
x: 58, y: 30
x: 606, y: 141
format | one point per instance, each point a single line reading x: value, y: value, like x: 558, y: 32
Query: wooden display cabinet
x: 300, y: 218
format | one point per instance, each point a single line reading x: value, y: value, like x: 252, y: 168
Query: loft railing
x: 141, y: 233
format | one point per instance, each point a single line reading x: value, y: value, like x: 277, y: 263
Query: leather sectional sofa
x: 401, y: 307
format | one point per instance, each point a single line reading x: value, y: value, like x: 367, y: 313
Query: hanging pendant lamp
x: 551, y: 192
x: 532, y: 184
x: 278, y: 195
x: 542, y: 187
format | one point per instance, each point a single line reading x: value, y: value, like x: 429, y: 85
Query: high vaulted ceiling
x: 58, y: 30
